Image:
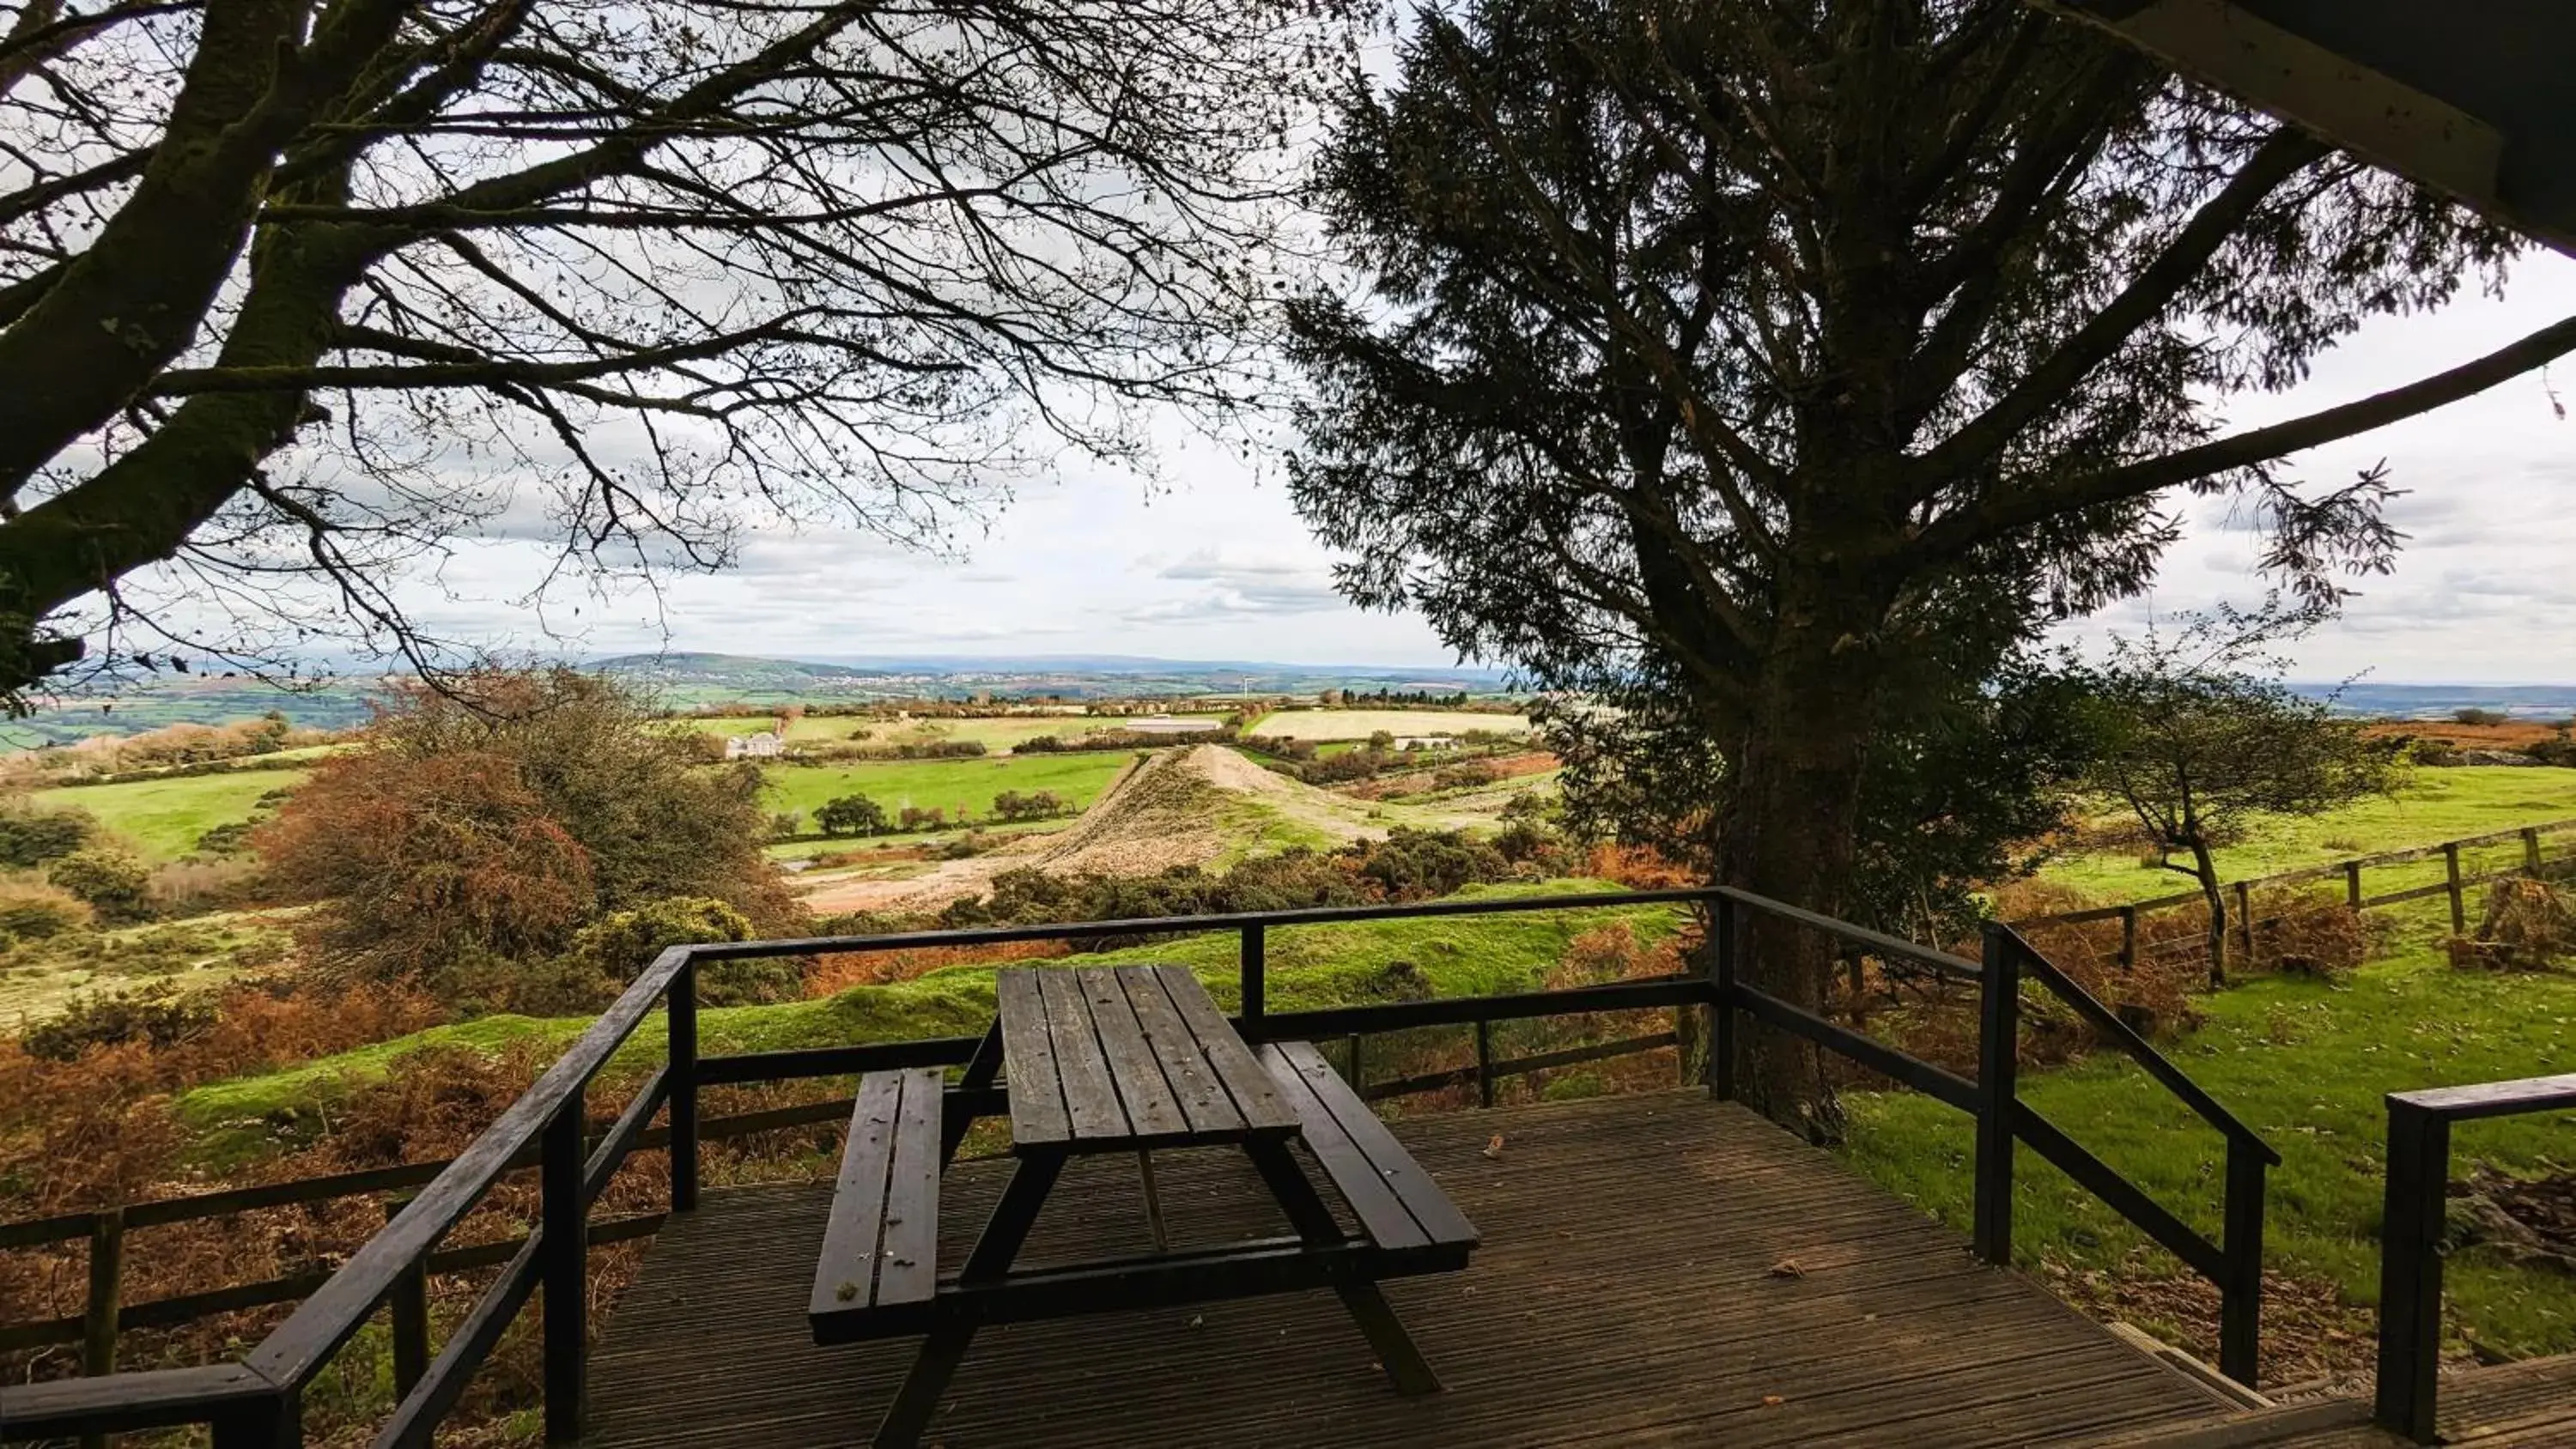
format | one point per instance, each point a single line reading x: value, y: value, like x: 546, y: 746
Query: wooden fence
x: 2454, y: 884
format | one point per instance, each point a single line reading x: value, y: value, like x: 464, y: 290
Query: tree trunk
x: 1789, y: 830
x: 2206, y: 870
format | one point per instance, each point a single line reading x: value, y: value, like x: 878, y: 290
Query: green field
x: 1359, y: 724
x: 943, y: 784
x: 2433, y: 806
x: 163, y: 818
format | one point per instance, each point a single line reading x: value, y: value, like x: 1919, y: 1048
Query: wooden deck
x: 2528, y: 1405
x: 1656, y: 1269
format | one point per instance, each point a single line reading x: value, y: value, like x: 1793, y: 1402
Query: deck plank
x: 1624, y: 1295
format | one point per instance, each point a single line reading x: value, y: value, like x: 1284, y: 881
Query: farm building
x: 765, y: 745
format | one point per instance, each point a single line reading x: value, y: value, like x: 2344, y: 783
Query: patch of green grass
x: 942, y: 784
x: 163, y: 818
x: 2306, y: 1065
x: 2435, y: 805
x: 1309, y: 967
x: 1359, y: 724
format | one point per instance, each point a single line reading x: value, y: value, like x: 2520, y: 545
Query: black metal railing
x: 2234, y: 1264
x: 257, y: 1402
x: 2411, y: 1233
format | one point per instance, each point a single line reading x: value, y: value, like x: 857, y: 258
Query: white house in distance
x: 765, y: 745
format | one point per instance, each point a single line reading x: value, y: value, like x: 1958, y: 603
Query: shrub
x: 158, y: 1015
x: 915, y: 817
x: 2528, y: 925
x: 2422, y: 751
x: 1466, y: 776
x: 111, y: 882
x: 617, y: 946
x: 787, y: 824
x: 35, y: 911
x: 2480, y: 717
x: 2560, y: 752
x: 194, y: 887
x: 31, y: 837
x: 851, y: 815
x: 1034, y: 805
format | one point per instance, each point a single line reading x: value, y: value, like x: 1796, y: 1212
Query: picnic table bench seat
x: 881, y: 1243
x: 1404, y: 1214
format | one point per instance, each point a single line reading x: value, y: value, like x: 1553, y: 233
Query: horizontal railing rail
x: 258, y: 1401
x: 2414, y: 1226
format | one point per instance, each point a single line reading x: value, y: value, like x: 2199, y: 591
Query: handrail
x: 2412, y: 1228
x: 2120, y: 1034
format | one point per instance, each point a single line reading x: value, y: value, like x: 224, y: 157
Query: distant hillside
x: 2438, y: 701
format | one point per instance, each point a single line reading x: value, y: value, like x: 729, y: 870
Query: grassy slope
x: 1309, y: 966
x: 943, y: 784
x: 164, y: 817
x: 997, y: 734
x: 2436, y: 805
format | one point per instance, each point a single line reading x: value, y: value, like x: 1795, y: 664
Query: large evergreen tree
x: 1810, y: 354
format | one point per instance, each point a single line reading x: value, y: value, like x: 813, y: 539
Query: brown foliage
x: 1638, y: 867
x: 2528, y: 925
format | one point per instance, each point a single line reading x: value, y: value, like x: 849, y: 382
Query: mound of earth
x: 1202, y: 805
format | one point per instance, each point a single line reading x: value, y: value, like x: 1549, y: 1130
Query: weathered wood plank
x: 1153, y: 1113
x: 1038, y: 1117
x: 1388, y: 1162
x: 846, y: 1275
x: 1254, y: 1092
x: 1202, y: 1098
x: 1090, y: 1102
x: 908, y: 1263
x: 1382, y: 1214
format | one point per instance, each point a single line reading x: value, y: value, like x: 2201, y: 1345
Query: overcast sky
x: 1214, y: 564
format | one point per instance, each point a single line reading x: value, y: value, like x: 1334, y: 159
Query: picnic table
x: 1131, y: 1059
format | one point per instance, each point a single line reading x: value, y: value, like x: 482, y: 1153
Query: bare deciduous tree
x: 291, y: 286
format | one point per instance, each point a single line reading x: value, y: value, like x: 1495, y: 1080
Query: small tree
x: 851, y: 815
x: 2196, y: 742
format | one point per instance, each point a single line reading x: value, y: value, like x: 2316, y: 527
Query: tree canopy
x: 308, y: 288
x: 1811, y: 358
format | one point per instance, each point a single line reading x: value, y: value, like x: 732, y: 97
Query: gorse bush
x: 158, y: 1015
x: 30, y: 836
x: 111, y: 882
x: 473, y: 834
x: 33, y: 910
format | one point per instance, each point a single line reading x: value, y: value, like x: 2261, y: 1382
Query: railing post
x: 1485, y: 1063
x: 276, y: 1422
x: 2410, y: 1268
x: 1721, y: 1010
x: 2352, y: 884
x: 1998, y: 1059
x: 564, y: 1267
x: 1357, y: 1084
x: 2240, y: 1313
x: 2128, y: 938
x: 681, y: 1076
x: 98, y: 1313
x: 1256, y: 973
x: 408, y: 1309
x: 2459, y: 906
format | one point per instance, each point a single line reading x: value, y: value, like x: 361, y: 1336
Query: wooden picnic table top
x: 1122, y: 1058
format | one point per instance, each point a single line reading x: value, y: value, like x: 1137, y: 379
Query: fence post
x: 1485, y: 1063
x: 98, y: 1313
x: 1721, y: 1046
x: 2245, y: 920
x: 408, y: 1309
x: 2531, y: 850
x: 1998, y: 1058
x: 565, y: 1271
x: 2240, y: 1313
x: 1255, y: 965
x: 2128, y: 938
x: 2459, y: 906
x: 276, y: 1422
x: 2410, y: 1268
x: 681, y: 1076
x: 2352, y: 884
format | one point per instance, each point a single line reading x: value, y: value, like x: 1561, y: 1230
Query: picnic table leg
x: 1153, y: 1202
x: 981, y: 1068
x: 1396, y: 1352
x: 945, y: 1348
